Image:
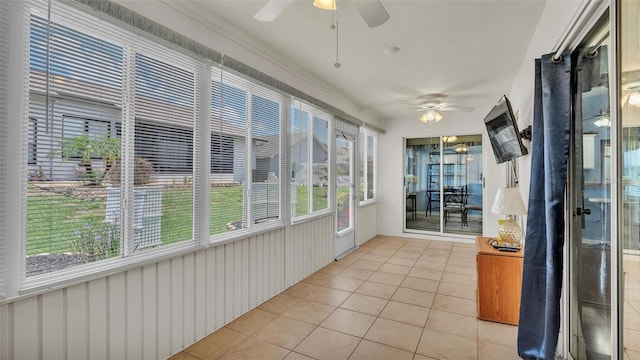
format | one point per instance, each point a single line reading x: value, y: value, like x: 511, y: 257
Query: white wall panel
x: 220, y: 284
x: 163, y: 283
x: 149, y: 312
x: 200, y: 294
x: 177, y: 311
x: 117, y: 316
x: 309, y: 247
x: 155, y: 311
x: 134, y: 313
x: 6, y: 333
x: 211, y: 293
x: 26, y: 331
x: 98, y: 319
x: 246, y: 269
x: 76, y: 311
x: 366, y: 223
x: 53, y: 334
x: 252, y: 259
x: 188, y: 298
x: 230, y: 280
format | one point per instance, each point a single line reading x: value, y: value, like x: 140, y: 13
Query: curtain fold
x: 542, y: 273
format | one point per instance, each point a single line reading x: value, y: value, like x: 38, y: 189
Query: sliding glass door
x: 590, y: 241
x: 629, y: 290
x: 443, y: 184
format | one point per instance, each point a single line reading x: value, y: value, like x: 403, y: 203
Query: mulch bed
x: 41, y: 264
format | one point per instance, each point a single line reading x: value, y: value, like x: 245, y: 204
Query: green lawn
x: 54, y: 220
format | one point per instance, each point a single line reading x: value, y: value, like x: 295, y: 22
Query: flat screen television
x: 503, y: 132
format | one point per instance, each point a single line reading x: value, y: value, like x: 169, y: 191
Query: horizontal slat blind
x: 163, y: 157
x: 320, y: 159
x: 245, y: 154
x: 229, y: 111
x: 266, y: 172
x: 368, y: 154
x: 90, y: 131
x: 300, y: 160
x: 75, y: 83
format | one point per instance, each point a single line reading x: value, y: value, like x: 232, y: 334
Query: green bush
x: 97, y: 240
x: 142, y: 172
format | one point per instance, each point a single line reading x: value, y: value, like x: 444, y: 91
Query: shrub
x: 142, y: 172
x: 97, y: 240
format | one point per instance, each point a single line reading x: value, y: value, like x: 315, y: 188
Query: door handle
x: 581, y: 211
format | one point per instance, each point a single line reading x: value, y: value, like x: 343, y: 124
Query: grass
x: 52, y: 220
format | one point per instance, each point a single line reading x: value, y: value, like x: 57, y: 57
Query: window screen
x: 309, y: 156
x: 72, y: 145
x: 367, y: 146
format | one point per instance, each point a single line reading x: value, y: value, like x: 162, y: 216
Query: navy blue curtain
x: 542, y: 274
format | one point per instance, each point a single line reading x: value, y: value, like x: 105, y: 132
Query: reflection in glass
x: 344, y: 186
x: 630, y: 213
x: 590, y: 261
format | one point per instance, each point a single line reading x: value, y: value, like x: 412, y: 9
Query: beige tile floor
x: 393, y: 298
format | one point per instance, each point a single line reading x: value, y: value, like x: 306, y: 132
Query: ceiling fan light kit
x: 634, y: 98
x: 325, y: 4
x: 430, y: 115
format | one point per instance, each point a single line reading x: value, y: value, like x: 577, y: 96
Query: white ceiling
x: 470, y: 50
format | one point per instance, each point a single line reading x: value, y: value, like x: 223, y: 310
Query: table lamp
x: 509, y: 202
x: 412, y: 180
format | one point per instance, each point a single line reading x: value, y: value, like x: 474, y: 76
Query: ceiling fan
x: 371, y: 11
x: 432, y: 104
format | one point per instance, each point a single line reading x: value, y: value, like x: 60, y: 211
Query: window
x: 95, y: 140
x: 309, y: 156
x: 114, y: 126
x: 368, y: 158
x: 245, y: 154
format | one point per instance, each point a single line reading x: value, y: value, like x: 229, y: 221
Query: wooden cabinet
x: 499, y: 283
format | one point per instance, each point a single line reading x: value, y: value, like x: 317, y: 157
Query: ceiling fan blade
x: 454, y: 108
x: 271, y: 10
x: 372, y: 12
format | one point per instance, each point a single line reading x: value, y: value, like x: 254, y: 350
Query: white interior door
x: 345, y: 194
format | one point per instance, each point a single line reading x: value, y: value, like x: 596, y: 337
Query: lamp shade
x: 508, y: 201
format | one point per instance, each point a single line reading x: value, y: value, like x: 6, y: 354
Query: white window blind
x: 111, y: 115
x: 309, y: 156
x: 163, y: 151
x: 109, y: 153
x: 229, y: 112
x: 266, y: 162
x: 367, y: 166
x: 75, y: 92
x: 246, y: 164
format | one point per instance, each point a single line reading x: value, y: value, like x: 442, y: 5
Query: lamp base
x: 510, y: 232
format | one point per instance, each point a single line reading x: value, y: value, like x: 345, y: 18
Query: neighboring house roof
x: 272, y: 145
x: 269, y: 148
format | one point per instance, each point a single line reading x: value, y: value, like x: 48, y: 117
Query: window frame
x: 314, y: 113
x: 363, y: 155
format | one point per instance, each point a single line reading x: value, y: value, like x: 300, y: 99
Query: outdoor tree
x: 86, y: 148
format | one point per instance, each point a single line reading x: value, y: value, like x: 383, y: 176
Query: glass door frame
x: 459, y: 177
x: 570, y: 345
x: 344, y: 239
